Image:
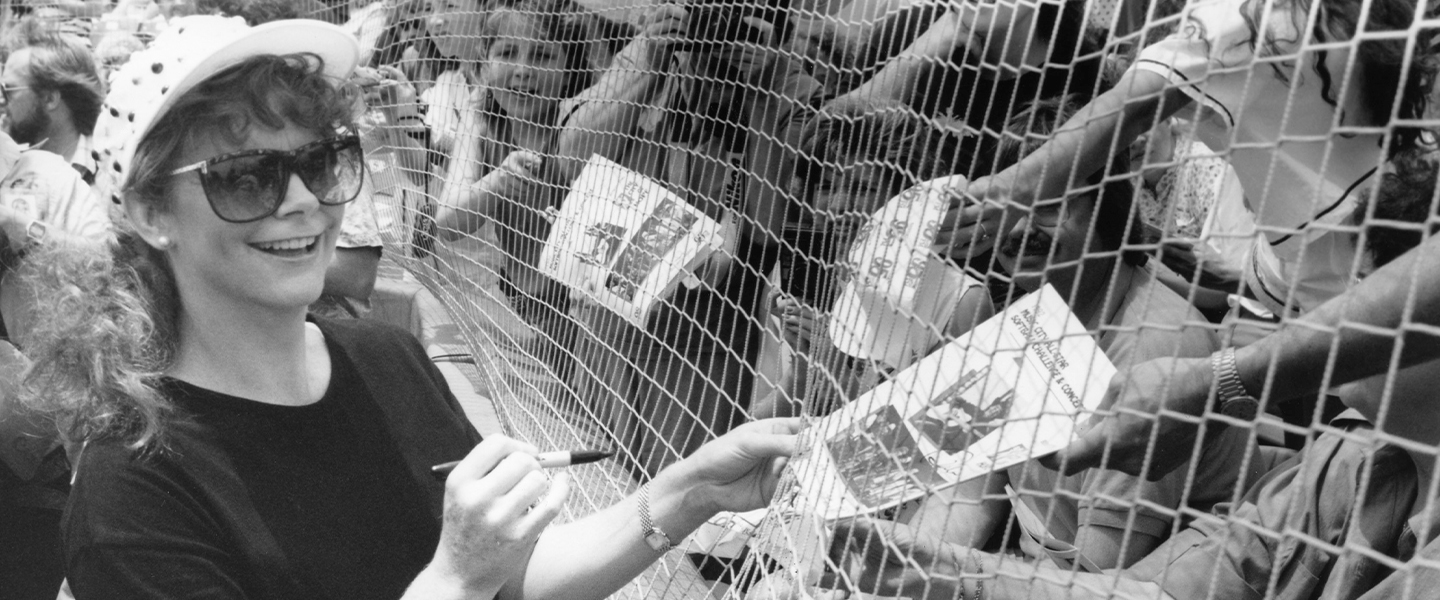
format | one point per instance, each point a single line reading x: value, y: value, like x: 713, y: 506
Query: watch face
x: 1244, y: 408
x: 657, y: 540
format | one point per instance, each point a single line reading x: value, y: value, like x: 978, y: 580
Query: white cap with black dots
x: 187, y: 53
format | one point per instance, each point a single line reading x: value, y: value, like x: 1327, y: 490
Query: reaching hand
x: 665, y: 31
x: 797, y: 322
x: 888, y: 559
x: 497, y: 502
x: 516, y: 174
x: 387, y: 91
x: 976, y: 219
x: 1142, y: 402
x: 739, y: 470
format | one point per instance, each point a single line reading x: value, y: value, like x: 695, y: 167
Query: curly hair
x: 108, y: 329
x: 1401, y: 211
x: 1394, y: 72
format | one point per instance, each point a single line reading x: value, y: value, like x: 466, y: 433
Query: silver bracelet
x: 653, y: 535
x: 979, y: 589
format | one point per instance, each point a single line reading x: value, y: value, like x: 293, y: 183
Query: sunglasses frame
x: 6, y: 89
x: 290, y: 157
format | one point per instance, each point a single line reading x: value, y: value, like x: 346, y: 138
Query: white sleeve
x: 1210, y: 57
x: 62, y: 199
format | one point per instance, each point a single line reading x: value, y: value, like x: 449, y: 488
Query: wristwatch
x: 35, y: 233
x: 653, y: 535
x: 1231, y: 399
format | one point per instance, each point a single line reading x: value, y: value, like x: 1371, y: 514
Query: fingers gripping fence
x: 945, y: 235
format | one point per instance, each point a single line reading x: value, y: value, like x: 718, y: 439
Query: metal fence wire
x: 649, y: 222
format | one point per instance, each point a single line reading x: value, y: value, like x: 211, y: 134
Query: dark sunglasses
x: 250, y: 185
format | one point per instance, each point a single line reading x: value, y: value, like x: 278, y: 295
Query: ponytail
x: 102, y: 338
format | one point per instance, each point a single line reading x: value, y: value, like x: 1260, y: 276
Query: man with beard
x: 1101, y: 519
x: 704, y: 101
x: 52, y: 91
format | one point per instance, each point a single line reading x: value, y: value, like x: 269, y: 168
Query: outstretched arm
x: 603, y: 118
x: 1084, y: 145
x: 889, y: 559
x: 593, y: 557
x: 1350, y: 337
x: 901, y: 78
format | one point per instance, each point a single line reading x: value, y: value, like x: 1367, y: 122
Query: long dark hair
x: 1395, y: 71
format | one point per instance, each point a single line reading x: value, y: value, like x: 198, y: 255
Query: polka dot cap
x: 188, y: 52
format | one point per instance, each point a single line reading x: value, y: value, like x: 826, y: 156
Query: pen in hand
x: 548, y: 460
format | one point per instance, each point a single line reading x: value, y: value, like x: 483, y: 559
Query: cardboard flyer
x: 624, y: 241
x: 892, y: 302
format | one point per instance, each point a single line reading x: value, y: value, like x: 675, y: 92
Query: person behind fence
x: 864, y: 152
x: 1368, y: 495
x: 535, y: 54
x: 1303, y: 134
x: 1393, y: 72
x: 1088, y: 245
x: 983, y: 62
x: 703, y: 102
x: 52, y: 90
x: 43, y: 202
x: 234, y: 448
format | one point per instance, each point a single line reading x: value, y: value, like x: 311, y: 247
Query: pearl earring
x: 163, y: 243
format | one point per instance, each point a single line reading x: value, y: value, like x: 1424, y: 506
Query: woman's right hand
x: 497, y: 503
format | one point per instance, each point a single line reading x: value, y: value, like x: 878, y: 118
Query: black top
x: 254, y: 500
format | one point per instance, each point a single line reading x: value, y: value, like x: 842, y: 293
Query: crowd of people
x: 1235, y: 198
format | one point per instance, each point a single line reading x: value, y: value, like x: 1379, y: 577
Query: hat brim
x: 337, y: 49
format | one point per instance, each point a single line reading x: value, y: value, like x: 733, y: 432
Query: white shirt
x: 1301, y: 189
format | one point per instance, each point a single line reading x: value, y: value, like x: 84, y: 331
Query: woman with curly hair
x: 236, y: 448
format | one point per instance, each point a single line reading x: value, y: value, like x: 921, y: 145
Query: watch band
x: 654, y: 536
x: 1231, y: 398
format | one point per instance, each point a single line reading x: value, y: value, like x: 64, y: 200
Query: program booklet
x: 1013, y: 388
x: 1016, y: 387
x: 624, y: 241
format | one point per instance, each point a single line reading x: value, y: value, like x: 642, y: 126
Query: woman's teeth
x: 287, y: 245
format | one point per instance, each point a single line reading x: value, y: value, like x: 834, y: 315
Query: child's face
x: 454, y: 25
x: 854, y: 192
x: 527, y: 76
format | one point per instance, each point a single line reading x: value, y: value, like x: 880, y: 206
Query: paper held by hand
x: 1012, y: 389
x: 893, y: 302
x: 624, y: 241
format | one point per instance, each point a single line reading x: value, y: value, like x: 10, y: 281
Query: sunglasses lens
x: 332, y: 170
x: 245, y: 188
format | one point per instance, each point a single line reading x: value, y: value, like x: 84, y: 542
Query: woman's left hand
x: 739, y: 470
